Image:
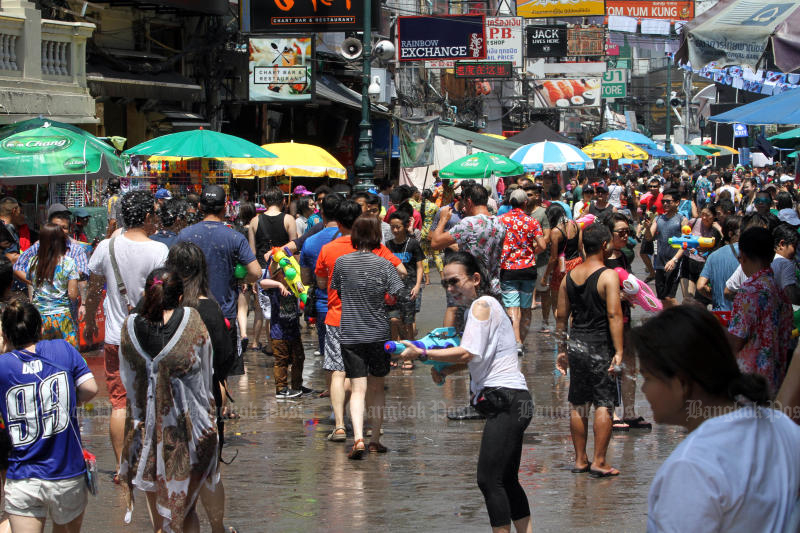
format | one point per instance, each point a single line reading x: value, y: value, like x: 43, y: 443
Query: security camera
x: 374, y: 89
x: 384, y: 49
x: 659, y: 102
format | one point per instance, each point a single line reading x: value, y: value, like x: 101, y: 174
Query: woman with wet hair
x: 738, y: 469
x: 171, y: 446
x: 498, y: 388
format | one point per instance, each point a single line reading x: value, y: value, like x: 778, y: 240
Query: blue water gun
x: 436, y: 339
x: 687, y: 240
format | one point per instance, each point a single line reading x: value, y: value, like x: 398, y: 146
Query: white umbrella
x: 548, y: 155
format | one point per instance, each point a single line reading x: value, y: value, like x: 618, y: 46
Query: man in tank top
x: 271, y: 228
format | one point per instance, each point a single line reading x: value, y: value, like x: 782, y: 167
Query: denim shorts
x: 518, y: 293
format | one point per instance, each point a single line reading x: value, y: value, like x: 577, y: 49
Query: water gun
x: 638, y: 292
x: 240, y: 271
x: 438, y: 338
x: 691, y: 241
x: 796, y: 323
x: 291, y: 271
x: 586, y: 220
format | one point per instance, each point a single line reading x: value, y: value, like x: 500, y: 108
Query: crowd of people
x: 178, y: 278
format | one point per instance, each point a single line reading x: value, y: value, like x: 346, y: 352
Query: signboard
x: 740, y: 130
x: 546, y: 41
x: 504, y: 39
x: 652, y: 9
x: 442, y: 37
x: 440, y: 63
x: 615, y: 84
x: 280, y: 69
x: 484, y: 69
x: 567, y: 93
x: 292, y: 16
x: 559, y: 8
x: 586, y: 41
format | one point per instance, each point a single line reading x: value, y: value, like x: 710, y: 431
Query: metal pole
x: 365, y: 164
x: 668, y: 105
x: 687, y: 92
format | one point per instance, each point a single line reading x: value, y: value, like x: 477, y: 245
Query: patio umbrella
x: 722, y: 149
x: 787, y: 139
x: 480, y: 166
x: 613, y: 149
x: 40, y: 151
x: 546, y: 155
x: 633, y: 137
x: 694, y: 150
x: 303, y: 160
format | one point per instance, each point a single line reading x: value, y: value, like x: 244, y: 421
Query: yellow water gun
x: 291, y: 271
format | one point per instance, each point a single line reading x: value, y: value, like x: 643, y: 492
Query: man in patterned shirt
x: 523, y: 239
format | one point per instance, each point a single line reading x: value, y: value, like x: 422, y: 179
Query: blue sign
x: 442, y: 37
x: 740, y: 130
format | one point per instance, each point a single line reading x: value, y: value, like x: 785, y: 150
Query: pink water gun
x: 637, y: 292
x: 586, y: 220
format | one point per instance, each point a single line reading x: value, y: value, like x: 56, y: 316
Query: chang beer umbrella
x: 481, y: 165
x: 42, y: 151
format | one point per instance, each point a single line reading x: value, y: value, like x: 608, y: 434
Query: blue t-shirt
x: 308, y: 259
x: 38, y: 402
x: 720, y: 266
x: 166, y: 236
x: 223, y: 248
x: 567, y: 208
x: 505, y: 208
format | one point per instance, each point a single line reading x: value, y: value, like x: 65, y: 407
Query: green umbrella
x: 787, y: 139
x: 45, y: 151
x: 199, y: 143
x: 481, y: 165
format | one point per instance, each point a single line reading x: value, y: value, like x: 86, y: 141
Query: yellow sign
x: 559, y: 8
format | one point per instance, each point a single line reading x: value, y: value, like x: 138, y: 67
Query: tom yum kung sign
x: 444, y: 37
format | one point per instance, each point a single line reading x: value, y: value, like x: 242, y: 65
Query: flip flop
x: 582, y: 470
x: 620, y: 425
x: 600, y: 474
x: 638, y: 423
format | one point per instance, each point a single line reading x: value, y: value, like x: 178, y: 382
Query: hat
x: 518, y: 196
x: 57, y: 208
x: 789, y: 216
x: 163, y: 194
x: 213, y: 197
x: 300, y: 190
x: 601, y: 189
x: 81, y: 212
x: 588, y: 190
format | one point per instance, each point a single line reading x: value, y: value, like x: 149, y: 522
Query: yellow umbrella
x: 723, y: 150
x: 302, y: 161
x: 496, y: 136
x: 614, y: 149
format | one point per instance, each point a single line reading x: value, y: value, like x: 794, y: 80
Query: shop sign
x: 586, y: 41
x: 567, y: 93
x: 559, y: 8
x: 484, y: 69
x: 656, y: 9
x: 291, y: 16
x: 546, y: 41
x: 615, y: 84
x: 280, y: 69
x: 36, y: 145
x: 442, y: 37
x: 504, y: 39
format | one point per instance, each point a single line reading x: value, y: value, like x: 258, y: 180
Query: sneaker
x: 287, y: 393
x: 305, y: 391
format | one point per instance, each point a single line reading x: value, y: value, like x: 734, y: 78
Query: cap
x: 163, y: 194
x: 302, y: 191
x: 601, y: 189
x: 81, y: 212
x: 57, y: 208
x: 519, y: 196
x: 588, y: 190
x: 789, y: 216
x: 213, y: 196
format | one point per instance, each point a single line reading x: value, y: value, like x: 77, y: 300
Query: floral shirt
x: 482, y: 236
x: 762, y: 316
x: 520, y: 242
x: 51, y: 298
x: 427, y: 216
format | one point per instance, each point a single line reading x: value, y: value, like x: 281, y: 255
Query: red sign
x: 484, y: 69
x: 655, y: 9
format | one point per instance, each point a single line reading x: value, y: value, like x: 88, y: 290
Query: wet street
x: 288, y: 477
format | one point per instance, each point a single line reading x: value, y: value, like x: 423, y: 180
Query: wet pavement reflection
x: 287, y: 477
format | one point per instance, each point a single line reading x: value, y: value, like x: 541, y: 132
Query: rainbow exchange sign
x: 443, y: 37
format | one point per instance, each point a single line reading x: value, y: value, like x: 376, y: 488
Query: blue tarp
x: 782, y: 108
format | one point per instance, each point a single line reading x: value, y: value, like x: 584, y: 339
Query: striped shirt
x: 362, y: 279
x: 74, y: 250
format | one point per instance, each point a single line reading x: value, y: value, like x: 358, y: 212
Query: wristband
x: 424, y: 356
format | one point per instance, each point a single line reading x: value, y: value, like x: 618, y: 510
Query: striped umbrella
x: 633, y: 137
x: 546, y: 155
x: 691, y: 151
x: 722, y: 149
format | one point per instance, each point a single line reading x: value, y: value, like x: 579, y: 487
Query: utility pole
x: 668, y: 103
x: 365, y: 164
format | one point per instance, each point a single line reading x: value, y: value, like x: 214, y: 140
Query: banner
x: 292, y: 16
x: 484, y: 69
x: 567, y: 93
x: 586, y: 41
x: 504, y: 39
x: 280, y: 69
x: 443, y: 37
x: 559, y: 8
x: 546, y: 41
x: 654, y: 9
x: 416, y: 141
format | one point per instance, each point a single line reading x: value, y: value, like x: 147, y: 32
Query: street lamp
x: 365, y: 163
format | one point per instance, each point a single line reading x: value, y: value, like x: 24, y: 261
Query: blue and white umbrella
x: 538, y: 157
x: 633, y: 137
x: 679, y: 151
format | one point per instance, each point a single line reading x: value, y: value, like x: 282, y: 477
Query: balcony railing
x: 10, y: 31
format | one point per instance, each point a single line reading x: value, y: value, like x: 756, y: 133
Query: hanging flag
x: 416, y: 141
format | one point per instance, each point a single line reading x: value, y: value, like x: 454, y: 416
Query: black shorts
x: 667, y: 283
x: 368, y: 358
x: 590, y: 381
x: 691, y: 269
x: 648, y: 247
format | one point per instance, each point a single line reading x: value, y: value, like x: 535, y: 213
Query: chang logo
x: 75, y: 163
x: 36, y: 145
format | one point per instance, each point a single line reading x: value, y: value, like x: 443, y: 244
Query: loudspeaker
x: 351, y: 48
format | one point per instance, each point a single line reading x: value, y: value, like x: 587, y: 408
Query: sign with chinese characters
x: 652, y: 9
x: 288, y: 16
x: 615, y: 84
x: 280, y: 69
x: 442, y: 37
x: 586, y: 41
x: 484, y: 69
x: 504, y: 39
x: 535, y: 9
x: 567, y: 93
x: 546, y: 41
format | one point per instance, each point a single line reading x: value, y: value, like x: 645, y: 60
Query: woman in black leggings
x: 488, y: 349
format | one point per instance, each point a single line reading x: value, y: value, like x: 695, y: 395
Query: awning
x: 332, y: 89
x: 538, y: 132
x: 206, y: 7
x: 476, y: 140
x: 782, y: 108
x: 104, y: 81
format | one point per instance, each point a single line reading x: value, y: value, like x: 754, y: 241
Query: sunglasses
x: 762, y: 201
x: 622, y: 232
x: 667, y: 201
x: 450, y: 282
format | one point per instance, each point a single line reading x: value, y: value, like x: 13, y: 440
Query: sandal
x: 324, y: 394
x: 583, y: 470
x: 638, y: 423
x: 335, y: 436
x: 599, y: 473
x: 620, y: 425
x: 357, y: 453
x: 377, y: 447
x: 407, y: 365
